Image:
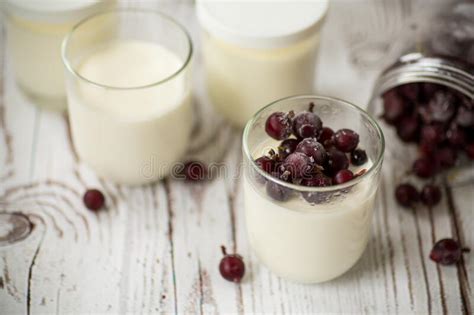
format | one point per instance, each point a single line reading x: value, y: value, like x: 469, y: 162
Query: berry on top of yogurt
x: 309, y: 154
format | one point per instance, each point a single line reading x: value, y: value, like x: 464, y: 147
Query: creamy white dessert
x: 306, y: 242
x: 35, y: 30
x: 135, y: 131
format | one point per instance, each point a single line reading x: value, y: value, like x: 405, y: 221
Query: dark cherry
x: 343, y: 176
x: 470, y: 150
x: 287, y: 147
x: 277, y: 191
x: 430, y: 195
x: 297, y: 164
x: 346, y: 140
x: 410, y: 91
x: 231, y: 267
x: 194, y: 171
x: 465, y: 117
x: 278, y: 125
x: 442, y: 106
x: 394, y: 106
x: 317, y: 180
x: 432, y: 134
x: 336, y: 161
x: 423, y: 167
x: 447, y: 252
x: 456, y: 137
x: 358, y: 157
x: 445, y: 157
x: 266, y: 163
x: 312, y: 148
x: 94, y: 199
x: 406, y: 195
x: 426, y: 150
x: 407, y: 128
x: 325, y: 136
x: 429, y: 89
x: 306, y: 124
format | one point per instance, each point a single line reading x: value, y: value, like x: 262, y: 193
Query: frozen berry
x: 430, y: 195
x: 394, y: 106
x: 410, y: 91
x: 312, y: 148
x: 306, y: 124
x: 358, y: 157
x: 442, y: 106
x: 278, y: 125
x: 343, y: 176
x: 266, y: 163
x: 325, y: 136
x: 456, y: 137
x: 465, y: 117
x: 407, y: 128
x: 277, y: 191
x: 406, y: 195
x: 317, y: 180
x: 432, y: 134
x: 346, y: 140
x: 445, y: 157
x: 336, y: 161
x: 94, y: 199
x: 231, y: 267
x: 194, y: 171
x: 446, y: 252
x: 424, y: 168
x: 297, y: 164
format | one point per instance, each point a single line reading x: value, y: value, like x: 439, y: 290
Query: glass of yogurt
x: 35, y: 30
x: 258, y: 51
x: 311, y: 234
x: 129, y: 93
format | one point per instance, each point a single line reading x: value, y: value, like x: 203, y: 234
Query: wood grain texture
x: 156, y: 248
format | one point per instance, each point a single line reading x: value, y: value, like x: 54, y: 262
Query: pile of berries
x: 439, y: 120
x: 309, y: 154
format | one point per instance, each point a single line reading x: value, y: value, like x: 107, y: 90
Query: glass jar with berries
x: 425, y: 99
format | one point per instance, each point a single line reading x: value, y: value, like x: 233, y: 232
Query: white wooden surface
x: 156, y: 248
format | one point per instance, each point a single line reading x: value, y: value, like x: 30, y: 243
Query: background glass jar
x: 35, y: 30
x: 256, y: 52
x: 316, y: 233
x: 426, y: 97
x: 129, y: 93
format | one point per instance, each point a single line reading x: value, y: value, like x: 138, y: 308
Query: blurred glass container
x: 35, y: 30
x: 256, y: 52
x: 425, y: 97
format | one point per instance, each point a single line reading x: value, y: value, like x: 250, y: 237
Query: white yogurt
x: 129, y: 134
x: 35, y: 30
x: 304, y: 242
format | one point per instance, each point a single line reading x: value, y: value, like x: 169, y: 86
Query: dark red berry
x: 325, y: 136
x: 317, y: 180
x: 231, y: 267
x: 445, y: 157
x: 432, y: 134
x: 394, y: 106
x: 456, y: 137
x: 410, y: 91
x: 346, y: 140
x: 94, y: 199
x: 446, y: 252
x: 424, y: 167
x: 278, y: 125
x: 470, y: 151
x: 430, y: 195
x: 287, y: 147
x: 194, y: 171
x: 358, y: 157
x: 306, y: 124
x: 312, y: 148
x: 407, y: 128
x: 343, y: 176
x: 297, y: 164
x: 336, y: 161
x: 266, y: 163
x: 277, y: 191
x: 465, y: 117
x: 406, y: 195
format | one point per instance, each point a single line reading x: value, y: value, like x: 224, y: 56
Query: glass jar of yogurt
x: 310, y: 234
x: 35, y: 30
x: 129, y: 93
x: 256, y: 52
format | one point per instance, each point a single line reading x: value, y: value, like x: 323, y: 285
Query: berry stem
x: 466, y: 250
x: 224, y: 251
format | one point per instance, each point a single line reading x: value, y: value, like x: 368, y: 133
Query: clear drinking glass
x: 127, y: 132
x: 318, y: 233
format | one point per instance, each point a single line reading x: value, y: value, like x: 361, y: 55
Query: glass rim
x: 375, y: 166
x: 159, y: 14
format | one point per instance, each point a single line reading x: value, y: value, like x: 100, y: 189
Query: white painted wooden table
x: 156, y: 248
